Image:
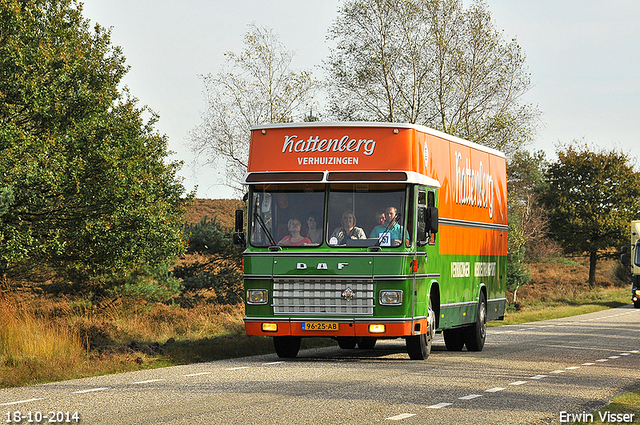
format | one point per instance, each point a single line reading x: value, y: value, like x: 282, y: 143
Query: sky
x: 583, y: 56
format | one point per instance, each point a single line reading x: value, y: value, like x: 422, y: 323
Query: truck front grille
x: 323, y: 297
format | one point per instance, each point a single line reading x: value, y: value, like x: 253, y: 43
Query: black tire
x: 346, y: 343
x: 419, y: 346
x: 477, y: 333
x: 636, y: 304
x: 454, y: 338
x: 287, y: 347
x: 367, y: 343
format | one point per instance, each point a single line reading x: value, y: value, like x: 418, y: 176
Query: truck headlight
x: 390, y: 297
x: 257, y: 296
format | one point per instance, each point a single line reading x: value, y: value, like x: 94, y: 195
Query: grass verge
x: 626, y: 404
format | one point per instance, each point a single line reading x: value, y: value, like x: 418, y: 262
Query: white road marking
x: 149, y: 381
x: 602, y: 360
x: 238, y: 368
x: 90, y: 391
x: 494, y: 390
x: 198, y: 374
x: 11, y: 403
x: 588, y: 364
x: 614, y: 357
x: 401, y: 416
x: 439, y: 405
x: 267, y: 364
x: 572, y: 367
x: 538, y: 377
x: 470, y: 397
x: 557, y: 371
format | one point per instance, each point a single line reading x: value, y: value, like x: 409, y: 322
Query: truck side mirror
x: 432, y: 220
x: 422, y: 226
x: 624, y: 257
x: 427, y: 224
x: 238, y: 236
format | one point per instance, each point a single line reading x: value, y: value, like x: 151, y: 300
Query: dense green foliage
x: 84, y: 186
x: 590, y: 198
x: 220, y: 270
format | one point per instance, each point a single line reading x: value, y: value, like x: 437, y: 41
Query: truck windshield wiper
x: 272, y: 242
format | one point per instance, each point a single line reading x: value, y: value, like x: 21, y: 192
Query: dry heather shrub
x: 566, y: 281
x: 26, y: 336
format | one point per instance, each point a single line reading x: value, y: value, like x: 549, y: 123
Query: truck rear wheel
x: 287, y: 347
x: 454, y: 338
x: 477, y: 333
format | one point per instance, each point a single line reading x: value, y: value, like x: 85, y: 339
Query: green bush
x: 145, y: 284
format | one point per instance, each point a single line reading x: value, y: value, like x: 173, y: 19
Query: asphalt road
x: 537, y: 373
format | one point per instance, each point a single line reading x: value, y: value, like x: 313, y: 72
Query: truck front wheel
x: 419, y: 346
x: 287, y: 347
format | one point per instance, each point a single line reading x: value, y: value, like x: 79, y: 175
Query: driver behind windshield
x: 390, y: 227
x: 348, y: 230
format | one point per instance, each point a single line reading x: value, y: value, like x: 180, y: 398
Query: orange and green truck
x: 368, y: 231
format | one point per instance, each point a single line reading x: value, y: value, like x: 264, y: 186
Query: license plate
x: 319, y: 326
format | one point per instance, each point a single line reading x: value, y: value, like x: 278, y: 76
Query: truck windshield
x: 352, y: 215
x: 365, y: 214
x: 287, y: 215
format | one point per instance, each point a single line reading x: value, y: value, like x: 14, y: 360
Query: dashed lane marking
x: 11, y: 403
x: 469, y: 397
x: 401, y: 416
x: 439, y: 405
x: 92, y: 390
x: 149, y: 381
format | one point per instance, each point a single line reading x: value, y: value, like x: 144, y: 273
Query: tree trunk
x: 593, y: 258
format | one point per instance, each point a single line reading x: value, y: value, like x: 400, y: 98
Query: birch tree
x: 430, y: 62
x: 257, y: 86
